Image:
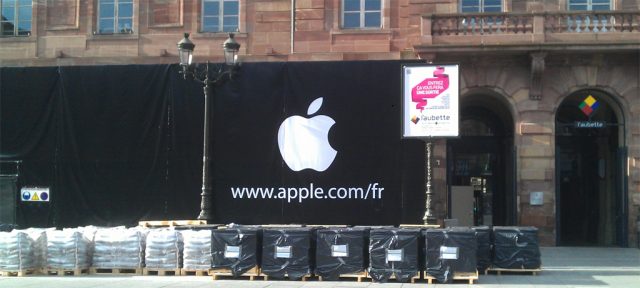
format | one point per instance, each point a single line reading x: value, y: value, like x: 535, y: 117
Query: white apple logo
x: 304, y: 142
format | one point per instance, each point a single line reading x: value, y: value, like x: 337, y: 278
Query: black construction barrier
x: 287, y: 252
x: 483, y: 235
x: 516, y: 248
x: 450, y: 251
x: 340, y: 251
x: 236, y: 249
x: 393, y: 252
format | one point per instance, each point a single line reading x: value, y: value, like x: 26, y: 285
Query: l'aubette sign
x: 590, y: 124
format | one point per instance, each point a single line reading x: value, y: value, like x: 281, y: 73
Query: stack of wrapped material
x: 393, y: 251
x: 16, y: 251
x: 164, y: 249
x: 119, y: 248
x: 67, y: 249
x: 197, y: 249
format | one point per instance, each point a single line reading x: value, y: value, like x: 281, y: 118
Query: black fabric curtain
x: 118, y: 144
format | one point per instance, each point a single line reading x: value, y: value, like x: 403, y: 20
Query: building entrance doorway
x: 590, y: 167
x: 481, y: 165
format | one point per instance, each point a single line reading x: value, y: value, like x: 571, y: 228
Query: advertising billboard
x: 430, y: 100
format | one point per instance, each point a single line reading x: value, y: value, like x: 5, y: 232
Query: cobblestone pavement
x: 562, y: 267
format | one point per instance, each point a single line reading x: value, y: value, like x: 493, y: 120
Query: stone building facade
x: 523, y: 67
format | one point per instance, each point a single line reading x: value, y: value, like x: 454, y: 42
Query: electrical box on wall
x: 536, y: 198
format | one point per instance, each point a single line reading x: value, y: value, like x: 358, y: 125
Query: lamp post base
x: 204, y: 215
x: 429, y: 220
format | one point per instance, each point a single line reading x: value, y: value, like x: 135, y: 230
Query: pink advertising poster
x: 430, y: 100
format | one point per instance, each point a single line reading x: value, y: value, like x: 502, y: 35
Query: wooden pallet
x: 115, y: 271
x: 19, y: 273
x: 357, y: 276
x: 500, y: 270
x: 194, y: 272
x: 286, y: 277
x: 65, y: 272
x: 161, y: 272
x: 426, y: 226
x: 219, y: 273
x: 282, y: 226
x: 457, y: 276
x: 171, y: 223
x: 393, y: 277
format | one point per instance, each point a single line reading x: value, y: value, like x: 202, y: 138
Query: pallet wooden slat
x: 393, y: 277
x: 224, y: 272
x: 282, y: 226
x: 18, y: 273
x: 286, y: 276
x: 419, y: 226
x: 161, y: 272
x: 65, y: 272
x: 466, y: 276
x: 499, y: 271
x: 357, y: 276
x: 115, y: 271
x: 171, y: 223
x: 194, y: 272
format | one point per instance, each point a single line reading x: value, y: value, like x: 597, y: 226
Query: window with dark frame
x: 480, y: 6
x: 16, y: 18
x: 115, y: 16
x: 220, y: 15
x: 589, y: 5
x: 360, y: 14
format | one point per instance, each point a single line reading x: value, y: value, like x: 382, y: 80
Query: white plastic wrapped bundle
x: 16, y: 251
x: 164, y: 249
x: 39, y: 238
x: 118, y: 248
x: 67, y: 249
x: 197, y: 249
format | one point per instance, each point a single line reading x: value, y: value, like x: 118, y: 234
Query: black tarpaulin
x: 120, y: 144
x: 450, y: 251
x: 483, y: 235
x: 393, y: 252
x: 340, y: 251
x: 516, y: 248
x: 287, y: 252
x: 236, y: 249
x: 94, y: 135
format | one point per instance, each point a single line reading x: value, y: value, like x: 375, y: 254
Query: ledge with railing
x: 531, y: 28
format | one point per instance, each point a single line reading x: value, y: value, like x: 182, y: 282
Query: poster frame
x: 403, y: 116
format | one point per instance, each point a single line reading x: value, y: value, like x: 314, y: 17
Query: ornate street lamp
x: 189, y: 71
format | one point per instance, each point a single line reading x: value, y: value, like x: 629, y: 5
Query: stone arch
x: 590, y: 167
x: 618, y: 103
x: 482, y: 108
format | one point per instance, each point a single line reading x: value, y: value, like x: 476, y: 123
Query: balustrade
x: 532, y: 23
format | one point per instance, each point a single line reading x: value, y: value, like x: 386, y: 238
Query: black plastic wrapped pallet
x: 483, y: 235
x: 516, y: 248
x: 288, y: 252
x: 236, y: 249
x: 450, y: 251
x: 340, y: 251
x: 393, y: 251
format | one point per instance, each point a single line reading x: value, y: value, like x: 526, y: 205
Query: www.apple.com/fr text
x: 372, y: 191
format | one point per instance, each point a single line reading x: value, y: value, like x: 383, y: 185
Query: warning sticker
x: 35, y: 194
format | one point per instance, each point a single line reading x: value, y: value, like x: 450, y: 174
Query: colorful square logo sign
x: 588, y: 105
